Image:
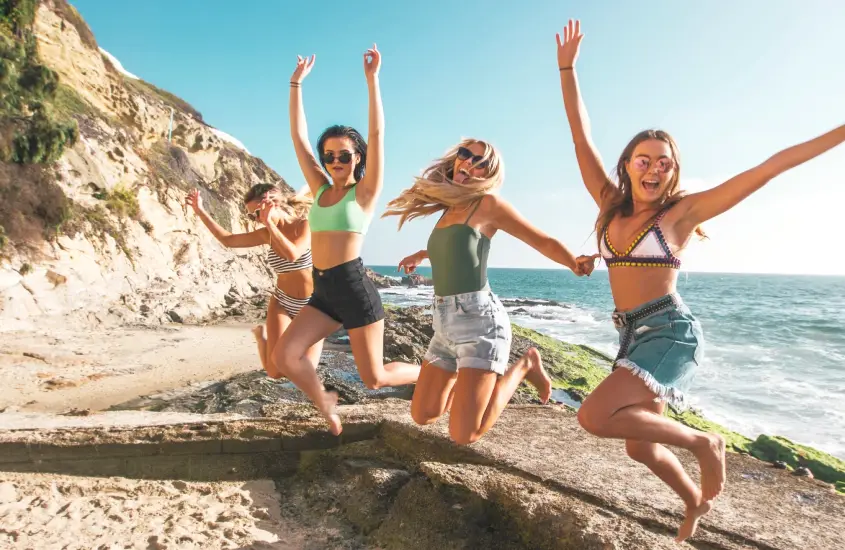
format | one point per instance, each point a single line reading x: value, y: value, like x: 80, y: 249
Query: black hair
x: 358, y: 143
x: 258, y: 190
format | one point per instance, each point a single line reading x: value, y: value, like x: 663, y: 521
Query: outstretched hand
x: 584, y: 265
x: 303, y: 67
x: 372, y: 62
x: 567, y: 48
x: 194, y: 200
x: 410, y: 263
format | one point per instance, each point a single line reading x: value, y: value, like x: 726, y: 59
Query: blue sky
x: 734, y: 82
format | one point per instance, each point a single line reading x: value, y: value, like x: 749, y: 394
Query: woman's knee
x: 463, y: 436
x: 285, y: 354
x: 424, y: 415
x: 590, y: 421
x: 374, y: 379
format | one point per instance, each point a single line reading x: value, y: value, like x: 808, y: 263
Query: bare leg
x: 368, y: 349
x: 433, y: 393
x: 665, y: 465
x: 480, y: 397
x: 277, y: 322
x: 274, y: 330
x: 295, y: 356
x: 622, y: 407
x: 261, y: 341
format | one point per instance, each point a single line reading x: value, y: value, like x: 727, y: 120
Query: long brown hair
x: 435, y: 190
x: 619, y: 199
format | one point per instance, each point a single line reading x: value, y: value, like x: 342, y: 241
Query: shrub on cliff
x: 17, y: 14
x: 29, y: 131
x: 44, y: 139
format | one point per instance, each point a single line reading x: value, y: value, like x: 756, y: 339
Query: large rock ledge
x: 535, y: 481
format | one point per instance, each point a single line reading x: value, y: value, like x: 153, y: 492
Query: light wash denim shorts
x: 663, y: 344
x: 472, y: 331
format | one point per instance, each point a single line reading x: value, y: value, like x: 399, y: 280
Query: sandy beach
x: 44, y: 512
x: 58, y: 370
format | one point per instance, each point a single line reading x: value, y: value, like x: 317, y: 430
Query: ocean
x: 775, y: 344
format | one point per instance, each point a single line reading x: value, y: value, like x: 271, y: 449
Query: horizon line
x: 681, y: 272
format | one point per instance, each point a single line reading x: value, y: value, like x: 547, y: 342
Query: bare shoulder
x: 491, y: 204
x: 677, y: 212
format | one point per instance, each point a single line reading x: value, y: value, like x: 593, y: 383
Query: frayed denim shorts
x: 471, y: 330
x: 662, y: 343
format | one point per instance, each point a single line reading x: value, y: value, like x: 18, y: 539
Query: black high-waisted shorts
x: 346, y: 294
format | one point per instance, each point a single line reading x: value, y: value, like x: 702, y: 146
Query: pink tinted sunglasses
x: 641, y: 164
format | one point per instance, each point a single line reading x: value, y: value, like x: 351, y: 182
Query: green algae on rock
x: 824, y: 466
x: 570, y: 366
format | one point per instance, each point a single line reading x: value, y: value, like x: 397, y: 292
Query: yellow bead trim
x: 633, y: 244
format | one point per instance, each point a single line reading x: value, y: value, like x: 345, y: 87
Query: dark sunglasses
x: 345, y: 157
x: 254, y: 214
x: 477, y: 160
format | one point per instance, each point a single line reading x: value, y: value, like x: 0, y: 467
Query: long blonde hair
x: 294, y: 206
x: 435, y: 190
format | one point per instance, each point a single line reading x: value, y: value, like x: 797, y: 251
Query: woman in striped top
x: 286, y: 230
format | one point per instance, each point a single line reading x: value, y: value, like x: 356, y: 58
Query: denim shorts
x: 472, y: 331
x: 663, y: 344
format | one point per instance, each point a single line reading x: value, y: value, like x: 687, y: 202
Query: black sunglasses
x: 345, y: 157
x: 254, y: 214
x: 477, y: 160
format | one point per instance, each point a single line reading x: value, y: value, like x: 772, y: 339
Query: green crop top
x: 346, y: 215
x: 458, y: 256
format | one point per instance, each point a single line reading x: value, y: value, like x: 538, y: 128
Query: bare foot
x: 711, y: 460
x: 690, y: 524
x: 258, y: 332
x: 329, y: 412
x: 537, y: 375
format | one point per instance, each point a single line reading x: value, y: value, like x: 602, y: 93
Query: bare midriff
x: 296, y: 284
x: 331, y: 248
x: 633, y: 286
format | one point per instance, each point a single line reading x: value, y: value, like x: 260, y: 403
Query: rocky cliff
x: 92, y: 184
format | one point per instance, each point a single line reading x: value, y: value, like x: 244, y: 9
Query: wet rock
x: 415, y: 280
x: 822, y: 465
x: 803, y: 471
x: 407, y: 333
x: 779, y: 464
x: 381, y: 281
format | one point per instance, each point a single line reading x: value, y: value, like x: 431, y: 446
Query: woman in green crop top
x: 465, y: 369
x: 345, y: 183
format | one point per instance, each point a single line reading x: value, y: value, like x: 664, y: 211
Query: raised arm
x: 308, y: 163
x: 702, y: 206
x: 226, y: 238
x: 589, y: 160
x: 371, y: 184
x: 289, y: 249
x: 509, y: 220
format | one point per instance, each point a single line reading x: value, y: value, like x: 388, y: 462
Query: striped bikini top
x: 282, y: 265
x: 649, y: 249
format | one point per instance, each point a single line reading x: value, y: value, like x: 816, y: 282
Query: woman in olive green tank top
x: 465, y: 369
x: 345, y: 192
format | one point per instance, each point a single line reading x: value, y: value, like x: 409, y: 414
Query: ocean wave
x: 774, y: 345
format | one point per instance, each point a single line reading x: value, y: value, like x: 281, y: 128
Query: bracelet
x: 294, y: 84
x: 566, y: 68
